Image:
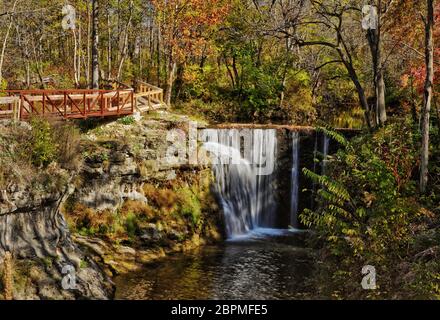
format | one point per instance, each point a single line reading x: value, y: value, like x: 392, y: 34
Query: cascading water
x: 323, y: 163
x: 325, y: 146
x: 265, y: 147
x: 244, y: 183
x: 315, y: 153
x: 294, y: 180
x: 236, y: 190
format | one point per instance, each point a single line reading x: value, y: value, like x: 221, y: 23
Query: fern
x: 332, y: 186
x: 330, y: 197
x: 333, y: 134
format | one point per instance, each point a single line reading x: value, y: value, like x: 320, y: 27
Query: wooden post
x: 118, y: 100
x: 65, y: 104
x: 21, y: 106
x: 102, y: 104
x: 8, y: 279
x: 16, y: 110
x: 44, y: 103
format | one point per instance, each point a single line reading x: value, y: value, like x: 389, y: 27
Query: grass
x: 128, y: 120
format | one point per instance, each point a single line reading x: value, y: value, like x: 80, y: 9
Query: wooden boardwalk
x: 149, y: 97
x: 78, y: 103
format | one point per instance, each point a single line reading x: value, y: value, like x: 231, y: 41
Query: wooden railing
x: 66, y: 104
x: 117, y: 85
x: 153, y: 94
x: 9, y: 106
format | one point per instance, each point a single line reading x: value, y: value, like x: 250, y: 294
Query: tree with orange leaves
x: 429, y: 22
x: 184, y: 27
x: 425, y: 73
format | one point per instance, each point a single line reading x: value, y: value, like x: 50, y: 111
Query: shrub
x: 367, y: 206
x: 139, y: 208
x: 88, y: 221
x: 189, y: 205
x: 42, y: 144
x: 131, y: 224
x: 68, y: 147
x: 162, y: 198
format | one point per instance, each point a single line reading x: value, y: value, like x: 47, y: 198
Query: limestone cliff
x: 34, y: 230
x: 120, y: 206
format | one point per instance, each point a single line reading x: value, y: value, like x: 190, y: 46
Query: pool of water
x: 266, y: 264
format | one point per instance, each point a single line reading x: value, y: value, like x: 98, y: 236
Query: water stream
x: 266, y: 264
x: 245, y: 183
x: 257, y: 261
x: 325, y: 150
x: 294, y: 181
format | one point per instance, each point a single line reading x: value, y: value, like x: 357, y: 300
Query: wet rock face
x: 150, y: 235
x: 310, y: 147
x: 36, y: 234
x: 33, y: 230
x: 282, y: 182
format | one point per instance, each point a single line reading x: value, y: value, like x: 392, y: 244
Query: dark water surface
x: 268, y: 264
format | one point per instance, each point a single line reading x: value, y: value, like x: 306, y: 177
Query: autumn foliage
x: 418, y: 71
x: 186, y: 24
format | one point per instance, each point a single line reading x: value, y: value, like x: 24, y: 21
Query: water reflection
x: 257, y: 267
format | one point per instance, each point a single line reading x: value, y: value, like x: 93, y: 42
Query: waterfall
x: 323, y: 163
x: 243, y: 164
x: 294, y: 180
x: 325, y: 146
x: 315, y: 152
x: 265, y: 145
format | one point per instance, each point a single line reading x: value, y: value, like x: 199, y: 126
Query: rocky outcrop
x: 117, y: 160
x: 33, y: 229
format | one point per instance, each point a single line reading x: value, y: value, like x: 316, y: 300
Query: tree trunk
x: 170, y: 82
x: 429, y: 60
x: 109, y: 47
x: 8, y: 279
x: 95, y: 42
x: 75, y: 60
x: 79, y: 56
x: 380, y: 93
x: 178, y: 82
x: 5, y: 42
x: 348, y: 63
x: 28, y: 74
x: 159, y: 57
x: 374, y: 41
x: 286, y: 66
x: 124, y: 50
x: 87, y: 64
x: 360, y: 91
x: 231, y: 76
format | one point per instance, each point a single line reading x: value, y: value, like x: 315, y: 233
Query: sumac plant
x: 366, y: 205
